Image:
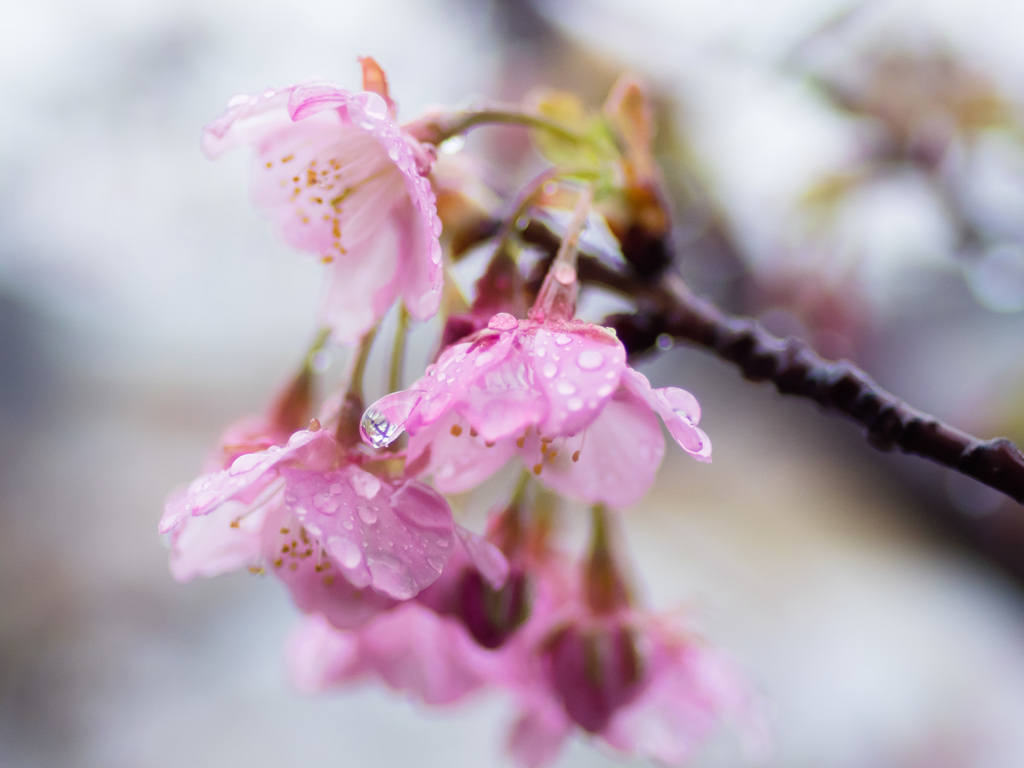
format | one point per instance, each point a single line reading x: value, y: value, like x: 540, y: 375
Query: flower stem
x: 557, y: 296
x: 398, y: 350
x: 352, y: 402
x: 434, y: 129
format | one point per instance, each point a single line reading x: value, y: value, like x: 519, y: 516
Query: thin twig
x: 669, y: 307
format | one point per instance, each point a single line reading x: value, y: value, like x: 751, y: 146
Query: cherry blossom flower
x: 346, y: 542
x: 342, y: 180
x: 556, y: 393
x: 634, y: 681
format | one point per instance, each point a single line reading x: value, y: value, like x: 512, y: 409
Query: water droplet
x: 665, y: 341
x: 565, y: 387
x: 564, y: 273
x: 453, y: 145
x: 550, y: 369
x: 383, y: 421
x: 605, y: 390
x: 243, y: 464
x: 348, y: 525
x: 483, y: 359
x: 367, y: 513
x: 372, y: 104
x: 590, y: 360
x: 436, y: 563
x: 562, y: 339
x: 365, y: 484
x: 335, y: 488
x: 324, y: 503
x: 574, y: 404
x: 503, y: 321
x: 345, y: 551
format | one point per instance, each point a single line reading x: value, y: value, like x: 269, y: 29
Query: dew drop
x: 574, y: 404
x: 483, y: 359
x: 550, y: 369
x: 565, y: 387
x: 244, y: 463
x: 503, y: 321
x: 346, y: 552
x: 366, y: 513
x: 562, y: 339
x: 590, y: 360
x: 365, y: 484
x: 324, y: 503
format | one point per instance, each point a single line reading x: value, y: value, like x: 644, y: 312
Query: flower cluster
x: 352, y: 516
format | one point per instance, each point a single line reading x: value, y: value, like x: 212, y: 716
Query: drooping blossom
x: 556, y: 393
x: 413, y: 648
x: 342, y: 181
x: 346, y: 542
x: 634, y: 681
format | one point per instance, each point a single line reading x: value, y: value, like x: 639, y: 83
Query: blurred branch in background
x: 920, y: 110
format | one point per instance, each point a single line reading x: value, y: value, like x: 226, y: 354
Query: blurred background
x: 849, y: 172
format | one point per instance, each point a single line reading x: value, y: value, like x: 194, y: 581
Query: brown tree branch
x: 669, y: 307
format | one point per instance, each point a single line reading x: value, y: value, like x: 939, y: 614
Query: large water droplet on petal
x: 384, y: 421
x: 503, y: 321
x: 565, y: 387
x: 345, y: 551
x: 245, y: 462
x: 366, y: 513
x: 590, y: 360
x: 365, y: 484
x: 372, y: 104
x: 325, y: 503
x: 550, y: 369
x: 562, y: 339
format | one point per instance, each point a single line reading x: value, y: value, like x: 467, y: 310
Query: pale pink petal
x: 503, y: 401
x: 361, y: 287
x: 249, y: 476
x: 537, y: 735
x: 395, y: 539
x: 577, y: 370
x: 488, y: 559
x: 617, y: 456
x: 208, y: 545
x: 457, y: 370
x: 456, y: 462
x: 334, y: 170
x: 690, y: 692
x: 313, y: 579
x: 320, y: 657
x: 247, y: 122
x: 678, y: 409
x: 413, y: 649
x: 309, y: 98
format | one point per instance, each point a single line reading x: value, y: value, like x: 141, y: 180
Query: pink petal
x: 319, y: 656
x: 458, y: 369
x: 619, y: 455
x: 314, y: 582
x: 456, y: 462
x: 249, y: 476
x: 361, y: 287
x: 248, y: 121
x: 678, y: 409
x: 310, y: 98
x: 537, y: 736
x: 208, y: 545
x: 488, y: 559
x: 577, y: 370
x: 395, y: 539
x: 690, y: 691
x: 413, y: 649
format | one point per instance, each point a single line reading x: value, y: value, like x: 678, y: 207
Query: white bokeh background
x: 144, y: 305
